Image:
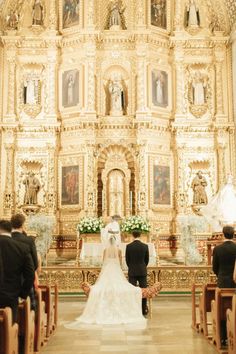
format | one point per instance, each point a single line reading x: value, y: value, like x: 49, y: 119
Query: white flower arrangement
x: 189, y: 226
x: 89, y: 225
x: 135, y: 223
x: 43, y: 225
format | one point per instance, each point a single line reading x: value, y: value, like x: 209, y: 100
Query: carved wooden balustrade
x: 172, y: 278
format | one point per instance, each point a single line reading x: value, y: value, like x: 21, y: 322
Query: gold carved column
x: 52, y: 16
x: 180, y: 83
x: 91, y: 186
x: 142, y: 199
x: 90, y: 14
x: 50, y: 97
x: 140, y: 13
x: 141, y: 80
x: 9, y: 180
x: 11, y: 99
x: 178, y: 19
x: 90, y: 104
x: 52, y: 178
x: 219, y: 90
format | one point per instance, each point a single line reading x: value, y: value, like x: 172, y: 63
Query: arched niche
x: 116, y: 182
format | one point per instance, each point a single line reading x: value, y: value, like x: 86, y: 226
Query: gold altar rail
x: 172, y: 278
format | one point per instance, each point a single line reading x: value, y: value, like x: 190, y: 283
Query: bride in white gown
x: 112, y: 300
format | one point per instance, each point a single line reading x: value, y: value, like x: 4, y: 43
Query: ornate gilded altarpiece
x: 143, y: 95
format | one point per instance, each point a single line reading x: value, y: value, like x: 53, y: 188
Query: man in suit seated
x: 224, y: 256
x: 16, y: 269
x: 137, y: 258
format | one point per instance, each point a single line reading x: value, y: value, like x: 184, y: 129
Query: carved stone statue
x: 116, y: 97
x: 31, y: 88
x: 12, y: 20
x: 192, y: 15
x: 198, y: 185
x: 159, y: 89
x: 116, y: 15
x: 38, y: 15
x: 32, y: 187
x: 199, y: 88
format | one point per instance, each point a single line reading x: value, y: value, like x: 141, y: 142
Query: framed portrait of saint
x: 71, y: 13
x: 70, y: 185
x: 158, y: 13
x: 159, y: 84
x: 161, y: 185
x: 70, y: 88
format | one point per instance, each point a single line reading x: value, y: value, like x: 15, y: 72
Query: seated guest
x: 224, y: 256
x: 19, y: 234
x: 16, y: 269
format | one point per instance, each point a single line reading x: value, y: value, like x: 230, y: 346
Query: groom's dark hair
x: 136, y: 234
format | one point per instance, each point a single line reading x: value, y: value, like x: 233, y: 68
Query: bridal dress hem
x: 112, y: 300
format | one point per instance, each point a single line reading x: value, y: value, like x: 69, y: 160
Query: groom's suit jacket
x: 137, y: 258
x: 20, y: 237
x: 16, y: 271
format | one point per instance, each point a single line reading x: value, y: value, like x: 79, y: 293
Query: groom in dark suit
x: 137, y: 258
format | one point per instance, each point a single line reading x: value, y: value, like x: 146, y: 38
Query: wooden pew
x: 51, y: 307
x: 26, y: 326
x: 223, y: 301
x: 8, y: 333
x: 39, y: 322
x: 231, y: 327
x: 205, y: 298
x: 195, y: 306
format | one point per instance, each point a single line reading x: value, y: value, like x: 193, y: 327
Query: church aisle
x: 168, y: 332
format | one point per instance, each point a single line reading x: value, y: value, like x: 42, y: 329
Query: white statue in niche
x: 116, y: 15
x: 159, y: 90
x: 31, y: 90
x: 199, y: 88
x: 192, y: 15
x: 70, y: 90
x: 38, y: 13
x: 116, y: 96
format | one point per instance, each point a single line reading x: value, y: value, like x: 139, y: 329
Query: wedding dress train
x: 112, y: 300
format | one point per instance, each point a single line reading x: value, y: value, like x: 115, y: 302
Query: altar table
x: 92, y: 253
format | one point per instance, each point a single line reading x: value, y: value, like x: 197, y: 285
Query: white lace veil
x: 111, y: 251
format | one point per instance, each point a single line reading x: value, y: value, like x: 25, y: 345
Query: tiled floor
x: 168, y: 332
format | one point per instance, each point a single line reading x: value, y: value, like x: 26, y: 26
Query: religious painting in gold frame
x: 71, y: 182
x: 159, y: 83
x: 158, y: 13
x: 71, y: 88
x: 71, y: 13
x: 161, y: 182
x: 70, y: 185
